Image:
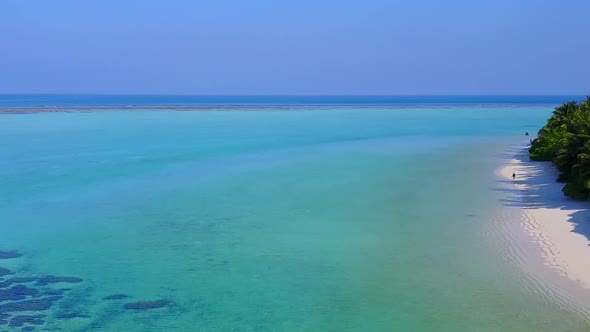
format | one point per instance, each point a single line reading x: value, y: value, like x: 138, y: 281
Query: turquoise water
x: 350, y: 219
x: 52, y: 100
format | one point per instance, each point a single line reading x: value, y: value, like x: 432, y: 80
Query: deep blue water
x: 31, y: 100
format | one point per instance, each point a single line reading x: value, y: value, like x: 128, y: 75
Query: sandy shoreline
x: 559, y: 226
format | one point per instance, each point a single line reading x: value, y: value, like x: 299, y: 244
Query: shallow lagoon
x: 334, y: 219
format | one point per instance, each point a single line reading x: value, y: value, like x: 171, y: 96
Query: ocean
x: 36, y: 100
x: 381, y: 214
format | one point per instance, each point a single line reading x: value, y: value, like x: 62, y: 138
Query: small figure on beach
x: 514, y: 175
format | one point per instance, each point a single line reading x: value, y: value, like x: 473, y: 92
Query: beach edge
x: 557, y: 224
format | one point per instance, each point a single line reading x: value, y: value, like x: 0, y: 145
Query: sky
x: 301, y: 47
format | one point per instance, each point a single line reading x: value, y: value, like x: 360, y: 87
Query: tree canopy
x: 565, y: 140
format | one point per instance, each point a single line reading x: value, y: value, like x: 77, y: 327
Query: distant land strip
x: 57, y: 109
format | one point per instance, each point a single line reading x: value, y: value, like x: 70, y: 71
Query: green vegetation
x: 565, y: 140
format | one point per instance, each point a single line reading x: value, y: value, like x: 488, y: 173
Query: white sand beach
x: 559, y: 225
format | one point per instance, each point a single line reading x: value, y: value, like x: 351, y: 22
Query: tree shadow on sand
x: 540, y: 189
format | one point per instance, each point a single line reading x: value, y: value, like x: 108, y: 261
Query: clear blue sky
x: 295, y: 47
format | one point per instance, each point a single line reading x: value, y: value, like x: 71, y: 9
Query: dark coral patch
x: 9, y: 254
x: 53, y: 292
x: 44, y: 281
x: 18, y: 321
x: 5, y: 272
x: 116, y: 297
x: 71, y: 315
x: 30, y: 305
x: 21, y: 280
x: 16, y: 280
x: 16, y: 293
x: 146, y: 305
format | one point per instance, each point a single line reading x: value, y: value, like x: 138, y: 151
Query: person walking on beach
x: 513, y: 175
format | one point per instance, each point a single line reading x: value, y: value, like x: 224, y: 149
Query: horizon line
x: 290, y: 95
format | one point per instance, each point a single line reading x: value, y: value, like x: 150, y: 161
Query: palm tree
x: 565, y: 140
